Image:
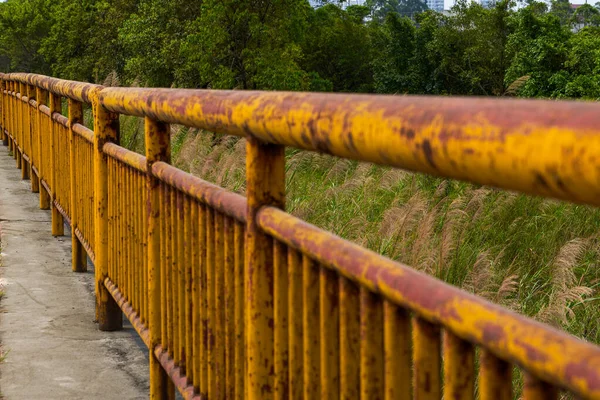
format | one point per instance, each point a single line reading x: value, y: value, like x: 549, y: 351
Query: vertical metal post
x: 42, y: 100
x: 24, y: 121
x: 106, y: 128
x: 58, y: 228
x: 13, y: 127
x: 9, y: 115
x: 3, y: 134
x: 17, y: 120
x: 79, y: 256
x: 265, y: 177
x: 33, y: 157
x: 158, y: 148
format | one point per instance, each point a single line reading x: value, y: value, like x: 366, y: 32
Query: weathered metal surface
x: 78, y: 91
x: 79, y: 256
x: 44, y: 109
x: 179, y: 380
x: 398, y: 358
x: 427, y: 382
x: 265, y: 185
x: 495, y: 377
x: 307, y: 314
x: 295, y: 326
x: 128, y: 311
x: 228, y: 305
x: 349, y: 338
x: 127, y: 157
x: 106, y: 127
x: 371, y: 345
x: 536, y: 389
x: 31, y: 112
x: 330, y: 333
x: 229, y: 203
x: 310, y: 334
x: 84, y: 132
x: 86, y: 245
x: 158, y: 148
x: 280, y: 321
x: 550, y: 354
x: 219, y: 308
x: 459, y: 368
x: 239, y: 313
x: 64, y: 215
x: 57, y: 219
x: 211, y: 383
x: 61, y: 119
x: 487, y: 141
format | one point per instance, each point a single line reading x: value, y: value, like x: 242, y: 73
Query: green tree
x: 247, y: 44
x: 469, y: 49
x: 562, y: 10
x: 23, y: 26
x: 423, y: 65
x: 580, y: 77
x: 338, y: 48
x: 152, y: 39
x: 408, y: 8
x: 83, y: 41
x: 395, y: 40
x: 586, y: 15
x: 540, y: 46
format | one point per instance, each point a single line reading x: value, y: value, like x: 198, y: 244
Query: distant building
x: 343, y: 4
x: 435, y: 5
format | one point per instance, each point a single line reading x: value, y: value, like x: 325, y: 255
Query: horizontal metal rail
x: 482, y: 140
x: 235, y: 298
x: 228, y: 203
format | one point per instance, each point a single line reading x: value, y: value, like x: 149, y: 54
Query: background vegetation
x: 538, y: 257
x: 386, y: 46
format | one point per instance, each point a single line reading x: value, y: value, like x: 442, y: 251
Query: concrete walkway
x: 55, y: 350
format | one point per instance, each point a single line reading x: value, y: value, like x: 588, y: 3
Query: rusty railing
x: 235, y: 298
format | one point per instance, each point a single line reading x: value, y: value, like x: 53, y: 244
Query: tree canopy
x: 386, y: 46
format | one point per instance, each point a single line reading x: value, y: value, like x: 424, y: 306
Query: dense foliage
x: 386, y: 46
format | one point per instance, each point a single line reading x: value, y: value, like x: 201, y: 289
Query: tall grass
x: 535, y: 256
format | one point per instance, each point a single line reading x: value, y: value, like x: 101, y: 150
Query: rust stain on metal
x: 174, y: 372
x: 228, y: 203
x: 466, y: 315
x: 131, y: 314
x: 486, y: 141
x: 128, y: 157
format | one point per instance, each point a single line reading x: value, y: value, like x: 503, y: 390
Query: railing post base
x: 58, y: 227
x: 24, y: 170
x: 110, y: 317
x: 35, y: 182
x: 44, y: 199
x: 79, y: 256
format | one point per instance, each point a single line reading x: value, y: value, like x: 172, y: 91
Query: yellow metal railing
x: 235, y: 298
